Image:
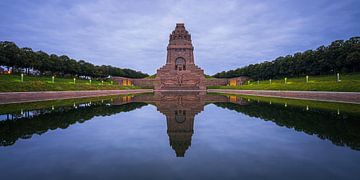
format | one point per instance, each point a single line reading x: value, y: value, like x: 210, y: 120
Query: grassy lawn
x: 12, y: 83
x: 348, y: 83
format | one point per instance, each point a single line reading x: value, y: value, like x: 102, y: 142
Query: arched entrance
x: 180, y: 64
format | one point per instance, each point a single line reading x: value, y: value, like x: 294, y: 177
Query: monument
x: 180, y: 71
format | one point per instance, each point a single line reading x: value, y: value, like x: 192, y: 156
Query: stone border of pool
x: 21, y: 97
x: 343, y: 97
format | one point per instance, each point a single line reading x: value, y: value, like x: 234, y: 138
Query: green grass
x: 12, y: 83
x: 348, y: 83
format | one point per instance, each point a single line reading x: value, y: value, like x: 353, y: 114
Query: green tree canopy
x: 339, y: 56
x: 13, y: 56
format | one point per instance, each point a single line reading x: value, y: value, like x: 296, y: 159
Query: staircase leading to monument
x: 190, y: 79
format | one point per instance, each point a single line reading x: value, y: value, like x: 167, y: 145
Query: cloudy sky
x: 134, y: 33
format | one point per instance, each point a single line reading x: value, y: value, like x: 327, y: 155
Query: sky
x: 226, y: 34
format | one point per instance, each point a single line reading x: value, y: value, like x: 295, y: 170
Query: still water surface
x: 180, y: 136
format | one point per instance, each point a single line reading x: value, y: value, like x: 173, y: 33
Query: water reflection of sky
x: 135, y: 145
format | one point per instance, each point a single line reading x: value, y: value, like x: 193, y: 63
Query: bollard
x: 90, y: 81
x: 338, y: 77
x: 307, y: 79
x: 102, y: 82
x: 22, y: 77
x: 285, y: 80
x: 53, y: 79
x: 270, y: 81
x: 74, y: 80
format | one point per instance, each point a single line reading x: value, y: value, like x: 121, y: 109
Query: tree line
x: 25, y: 58
x: 339, y: 56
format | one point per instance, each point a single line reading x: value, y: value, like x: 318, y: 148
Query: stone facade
x: 144, y: 82
x: 180, y: 71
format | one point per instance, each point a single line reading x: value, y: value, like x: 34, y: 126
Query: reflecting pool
x: 188, y: 135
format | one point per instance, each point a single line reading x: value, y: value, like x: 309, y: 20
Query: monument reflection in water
x: 205, y: 135
x: 180, y: 109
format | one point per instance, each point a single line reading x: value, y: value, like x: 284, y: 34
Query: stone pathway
x: 19, y: 97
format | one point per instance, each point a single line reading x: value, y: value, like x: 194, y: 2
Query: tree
x: 353, y: 61
x: 339, y: 56
x: 27, y: 57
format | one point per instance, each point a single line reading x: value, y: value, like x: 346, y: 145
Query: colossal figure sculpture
x: 180, y: 71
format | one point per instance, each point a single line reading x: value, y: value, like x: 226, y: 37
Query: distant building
x: 180, y: 71
x: 3, y: 71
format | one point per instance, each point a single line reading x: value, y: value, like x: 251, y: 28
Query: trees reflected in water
x: 341, y: 129
x: 44, y: 120
x: 180, y: 110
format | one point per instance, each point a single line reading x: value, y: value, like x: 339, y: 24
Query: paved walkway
x: 19, y: 97
x: 345, y: 97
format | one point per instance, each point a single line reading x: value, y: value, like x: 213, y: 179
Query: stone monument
x: 180, y: 71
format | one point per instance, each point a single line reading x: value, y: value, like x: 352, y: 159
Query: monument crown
x: 180, y: 34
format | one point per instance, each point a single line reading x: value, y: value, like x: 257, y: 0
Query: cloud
x: 134, y: 34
